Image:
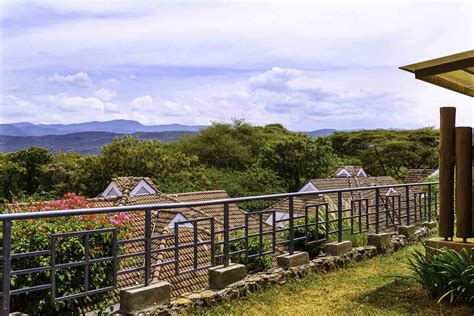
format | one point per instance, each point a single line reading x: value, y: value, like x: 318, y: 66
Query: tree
x: 398, y: 150
x: 25, y: 171
x: 298, y: 158
x: 225, y: 146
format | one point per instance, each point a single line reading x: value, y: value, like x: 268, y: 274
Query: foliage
x: 22, y: 171
x: 253, y: 181
x: 225, y: 146
x: 34, y: 235
x: 298, y: 158
x: 257, y: 264
x: 446, y: 274
x: 390, y: 151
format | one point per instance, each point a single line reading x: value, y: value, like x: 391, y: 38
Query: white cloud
x: 166, y: 108
x: 275, y: 79
x: 105, y: 94
x: 16, y: 108
x: 80, y: 79
x: 111, y: 82
x: 143, y: 103
x: 308, y: 66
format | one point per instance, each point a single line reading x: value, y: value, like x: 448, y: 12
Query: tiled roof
x: 335, y: 183
x: 418, y: 175
x: 353, y: 171
x: 127, y: 184
x: 236, y: 215
x: 189, y: 281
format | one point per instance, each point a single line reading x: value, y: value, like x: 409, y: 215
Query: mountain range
x: 89, y: 137
x: 114, y: 126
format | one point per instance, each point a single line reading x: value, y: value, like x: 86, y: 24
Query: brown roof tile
x: 418, y: 175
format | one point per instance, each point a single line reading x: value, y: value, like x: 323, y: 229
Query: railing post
x: 148, y: 247
x: 339, y: 216
x: 226, y: 235
x: 6, y: 245
x: 291, y: 231
x: 377, y: 210
x: 407, y: 194
x: 429, y: 202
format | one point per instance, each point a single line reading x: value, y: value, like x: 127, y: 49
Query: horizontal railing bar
x: 132, y: 254
x: 136, y: 208
x: 30, y: 270
x: 31, y: 254
x: 129, y: 241
x: 31, y: 289
x: 87, y: 293
x: 164, y: 263
x: 84, y: 232
x: 131, y: 270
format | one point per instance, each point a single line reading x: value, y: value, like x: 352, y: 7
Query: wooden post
x: 446, y: 171
x: 463, y: 182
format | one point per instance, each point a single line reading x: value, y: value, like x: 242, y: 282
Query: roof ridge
x: 196, y: 192
x: 192, y: 208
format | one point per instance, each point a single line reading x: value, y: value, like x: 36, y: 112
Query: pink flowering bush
x: 35, y: 234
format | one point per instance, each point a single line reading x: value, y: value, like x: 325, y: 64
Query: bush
x: 253, y: 265
x: 33, y: 235
x: 445, y: 274
x: 301, y: 245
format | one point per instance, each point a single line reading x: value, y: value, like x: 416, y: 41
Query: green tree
x: 25, y: 171
x: 225, y: 146
x: 298, y: 158
x: 390, y: 151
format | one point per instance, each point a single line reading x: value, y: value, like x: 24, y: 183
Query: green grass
x: 366, y: 288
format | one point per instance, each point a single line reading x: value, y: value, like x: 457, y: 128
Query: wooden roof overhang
x: 453, y: 72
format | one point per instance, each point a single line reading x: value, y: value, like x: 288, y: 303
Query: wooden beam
x: 446, y: 171
x: 463, y: 182
x: 443, y: 68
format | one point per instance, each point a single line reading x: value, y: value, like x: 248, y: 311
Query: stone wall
x: 186, y: 303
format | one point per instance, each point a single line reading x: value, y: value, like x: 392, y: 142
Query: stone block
x: 338, y: 248
x: 220, y: 276
x: 407, y: 231
x: 430, y: 225
x: 296, y: 259
x: 381, y: 241
x: 454, y: 245
x: 135, y: 299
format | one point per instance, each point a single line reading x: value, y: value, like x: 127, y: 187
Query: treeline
x: 239, y: 158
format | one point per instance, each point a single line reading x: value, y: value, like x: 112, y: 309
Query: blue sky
x: 307, y: 65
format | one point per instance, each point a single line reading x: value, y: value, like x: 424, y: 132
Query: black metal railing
x: 329, y: 214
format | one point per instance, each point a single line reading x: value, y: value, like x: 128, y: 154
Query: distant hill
x: 321, y: 132
x: 114, y: 126
x: 83, y: 142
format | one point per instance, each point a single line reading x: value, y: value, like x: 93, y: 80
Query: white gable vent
x: 179, y: 218
x: 112, y: 190
x: 142, y: 188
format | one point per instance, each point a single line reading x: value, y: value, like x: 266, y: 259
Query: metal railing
x: 315, y: 216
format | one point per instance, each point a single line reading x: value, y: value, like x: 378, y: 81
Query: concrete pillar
x: 220, y: 276
x: 407, y: 231
x: 338, y: 248
x: 140, y: 298
x: 296, y: 259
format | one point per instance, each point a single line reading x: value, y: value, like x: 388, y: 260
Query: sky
x: 306, y: 65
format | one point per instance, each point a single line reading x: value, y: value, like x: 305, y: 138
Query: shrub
x: 301, y: 245
x: 257, y: 264
x: 35, y: 234
x: 445, y: 274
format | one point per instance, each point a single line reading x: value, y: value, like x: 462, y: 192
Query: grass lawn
x: 366, y: 288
